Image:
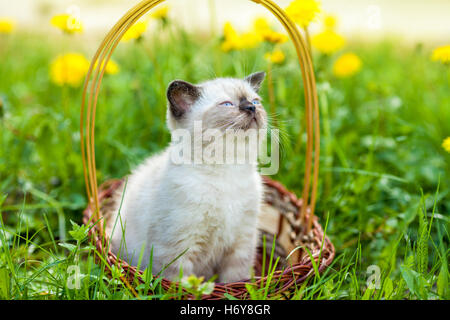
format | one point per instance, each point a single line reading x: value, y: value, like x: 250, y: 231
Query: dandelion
x: 161, y: 13
x: 275, y: 37
x: 441, y: 54
x: 261, y: 24
x: 446, y: 144
x: 111, y: 67
x: 303, y: 12
x: 67, y: 23
x: 135, y: 31
x: 6, y: 25
x: 347, y: 65
x: 262, y: 27
x: 329, y: 22
x: 275, y: 57
x: 235, y: 41
x: 232, y: 40
x: 69, y: 69
x: 250, y: 40
x: 328, y: 41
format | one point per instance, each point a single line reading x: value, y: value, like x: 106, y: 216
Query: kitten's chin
x: 253, y: 122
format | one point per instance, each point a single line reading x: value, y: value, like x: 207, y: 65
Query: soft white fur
x: 209, y: 210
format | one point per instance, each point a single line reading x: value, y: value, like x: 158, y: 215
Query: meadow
x: 384, y: 179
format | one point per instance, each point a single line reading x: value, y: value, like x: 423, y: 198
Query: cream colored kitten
x: 208, y: 211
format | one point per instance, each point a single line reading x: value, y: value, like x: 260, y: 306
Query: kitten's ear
x: 255, y: 79
x: 181, y: 95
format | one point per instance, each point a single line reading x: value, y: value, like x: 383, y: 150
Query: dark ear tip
x: 256, y: 76
x: 255, y: 79
x: 181, y: 96
x: 175, y: 83
x: 174, y: 86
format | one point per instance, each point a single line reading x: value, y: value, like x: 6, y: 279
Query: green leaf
x: 409, y: 278
x: 388, y: 288
x: 368, y: 294
x: 141, y: 286
x: 206, y: 288
x: 88, y: 247
x: 4, y: 283
x: 415, y: 282
x: 79, y: 233
x: 68, y: 246
x: 442, y: 282
x: 254, y: 295
x: 229, y: 296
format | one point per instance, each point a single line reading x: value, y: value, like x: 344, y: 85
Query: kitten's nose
x: 248, y: 108
x: 246, y: 105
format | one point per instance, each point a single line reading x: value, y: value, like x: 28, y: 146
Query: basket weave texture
x: 289, y: 274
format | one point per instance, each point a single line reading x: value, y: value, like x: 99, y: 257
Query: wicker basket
x: 290, y: 220
x: 278, y: 218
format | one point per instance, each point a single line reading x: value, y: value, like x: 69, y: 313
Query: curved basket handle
x: 97, y: 68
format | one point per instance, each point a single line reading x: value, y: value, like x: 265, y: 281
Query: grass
x: 384, y: 179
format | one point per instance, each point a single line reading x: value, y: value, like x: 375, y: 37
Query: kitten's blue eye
x: 227, y: 104
x: 256, y: 102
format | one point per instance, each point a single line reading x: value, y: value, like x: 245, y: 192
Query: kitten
x: 205, y: 212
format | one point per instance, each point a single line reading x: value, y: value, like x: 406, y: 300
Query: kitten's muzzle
x: 247, y: 106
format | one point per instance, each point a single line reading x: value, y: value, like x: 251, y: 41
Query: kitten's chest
x: 224, y: 197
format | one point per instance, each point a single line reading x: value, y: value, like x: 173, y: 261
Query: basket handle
x: 96, y: 71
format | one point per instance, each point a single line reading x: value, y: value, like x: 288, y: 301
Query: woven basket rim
x: 294, y: 274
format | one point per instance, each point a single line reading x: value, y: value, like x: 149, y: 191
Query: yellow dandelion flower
x: 303, y: 12
x: 229, y: 31
x: 276, y: 57
x: 111, y: 67
x: 232, y: 39
x: 160, y: 13
x: 69, y: 69
x: 7, y: 25
x: 262, y: 27
x: 135, y: 31
x: 446, y: 144
x: 330, y: 22
x: 261, y: 24
x: 235, y: 41
x: 347, y: 65
x: 441, y: 54
x: 276, y: 37
x: 67, y: 23
x: 328, y: 41
x: 250, y: 40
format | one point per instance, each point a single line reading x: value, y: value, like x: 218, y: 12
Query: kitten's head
x: 223, y: 103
